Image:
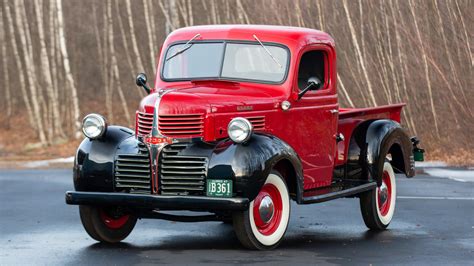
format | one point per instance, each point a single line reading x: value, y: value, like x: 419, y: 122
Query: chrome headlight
x: 239, y: 130
x: 94, y: 126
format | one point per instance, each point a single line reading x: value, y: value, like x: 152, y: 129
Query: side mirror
x: 313, y: 84
x: 141, y: 82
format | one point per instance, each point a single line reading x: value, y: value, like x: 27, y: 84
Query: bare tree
x: 67, y: 69
x: 30, y: 72
x: 150, y: 29
x: 418, y: 52
x: 425, y: 65
x: 243, y: 16
x: 47, y: 76
x: 114, y: 65
x: 8, y: 100
x: 124, y: 42
x: 139, y: 63
x: 359, y: 54
x: 468, y: 44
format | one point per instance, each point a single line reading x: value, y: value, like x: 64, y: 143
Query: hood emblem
x: 242, y: 108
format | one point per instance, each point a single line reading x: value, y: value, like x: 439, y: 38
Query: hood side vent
x: 258, y: 122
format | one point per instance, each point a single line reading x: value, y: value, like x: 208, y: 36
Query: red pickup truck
x: 241, y: 120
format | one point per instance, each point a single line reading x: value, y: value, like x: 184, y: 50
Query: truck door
x: 315, y: 116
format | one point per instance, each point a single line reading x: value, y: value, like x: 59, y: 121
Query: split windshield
x: 226, y: 60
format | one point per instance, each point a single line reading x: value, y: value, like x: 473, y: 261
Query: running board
x: 339, y: 194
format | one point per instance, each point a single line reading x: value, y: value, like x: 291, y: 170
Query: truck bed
x: 350, y: 118
x: 391, y: 111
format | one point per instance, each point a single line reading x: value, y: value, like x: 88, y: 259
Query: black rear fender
x: 370, y: 144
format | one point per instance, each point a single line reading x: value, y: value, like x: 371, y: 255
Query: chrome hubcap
x: 383, y: 193
x: 266, y: 209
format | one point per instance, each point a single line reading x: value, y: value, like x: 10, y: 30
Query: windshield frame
x: 225, y: 42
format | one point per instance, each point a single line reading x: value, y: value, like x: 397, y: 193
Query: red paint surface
x: 308, y: 126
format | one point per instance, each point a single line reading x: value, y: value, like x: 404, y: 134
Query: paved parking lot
x: 433, y: 224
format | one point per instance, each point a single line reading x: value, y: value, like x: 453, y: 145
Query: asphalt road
x: 433, y: 224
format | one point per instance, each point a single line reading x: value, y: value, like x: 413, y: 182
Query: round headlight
x: 94, y: 126
x: 239, y: 130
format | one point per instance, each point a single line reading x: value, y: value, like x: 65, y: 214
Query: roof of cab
x: 291, y: 36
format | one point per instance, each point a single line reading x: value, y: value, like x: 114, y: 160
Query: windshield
x: 226, y: 60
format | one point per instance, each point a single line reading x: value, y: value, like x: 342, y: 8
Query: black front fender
x: 249, y: 164
x: 94, y: 162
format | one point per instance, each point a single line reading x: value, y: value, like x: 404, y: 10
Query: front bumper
x: 173, y: 203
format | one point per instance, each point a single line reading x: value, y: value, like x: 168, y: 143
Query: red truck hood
x: 201, y: 99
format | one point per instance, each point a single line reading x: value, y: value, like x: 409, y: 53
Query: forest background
x: 62, y: 59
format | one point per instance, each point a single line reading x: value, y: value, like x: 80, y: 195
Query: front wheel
x: 264, y: 224
x: 109, y: 224
x: 378, y: 205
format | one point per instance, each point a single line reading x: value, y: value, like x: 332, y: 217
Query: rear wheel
x: 109, y: 224
x: 264, y: 224
x: 378, y: 206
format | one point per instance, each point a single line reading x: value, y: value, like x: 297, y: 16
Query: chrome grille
x: 258, y: 122
x: 190, y: 125
x: 144, y: 123
x: 132, y: 172
x: 178, y: 126
x: 181, y: 175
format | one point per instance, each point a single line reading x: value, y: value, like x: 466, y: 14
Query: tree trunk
x: 8, y: 100
x: 30, y: 72
x: 19, y: 63
x: 139, y: 64
x: 359, y: 54
x: 67, y: 70
x: 150, y: 29
x: 45, y: 67
x: 425, y: 67
x: 115, y: 70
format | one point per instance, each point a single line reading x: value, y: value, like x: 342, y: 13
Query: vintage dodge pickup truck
x: 241, y: 120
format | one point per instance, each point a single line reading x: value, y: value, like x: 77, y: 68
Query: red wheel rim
x: 268, y: 226
x: 111, y: 222
x: 384, y: 206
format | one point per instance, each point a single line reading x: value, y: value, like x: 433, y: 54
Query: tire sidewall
x: 271, y: 241
x: 385, y: 220
x: 106, y: 234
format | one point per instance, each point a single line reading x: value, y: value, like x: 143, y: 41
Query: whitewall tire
x: 264, y: 224
x: 378, y: 206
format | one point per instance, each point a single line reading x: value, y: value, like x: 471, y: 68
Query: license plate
x: 219, y: 188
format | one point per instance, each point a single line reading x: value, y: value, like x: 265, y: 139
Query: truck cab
x: 240, y: 120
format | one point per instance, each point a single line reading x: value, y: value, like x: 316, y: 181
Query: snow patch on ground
x: 461, y: 175
x: 431, y: 164
x: 46, y: 163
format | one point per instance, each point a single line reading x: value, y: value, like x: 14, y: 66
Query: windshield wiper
x: 187, y: 45
x: 268, y: 52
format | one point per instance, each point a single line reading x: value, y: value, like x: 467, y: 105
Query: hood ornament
x: 156, y: 141
x: 155, y: 137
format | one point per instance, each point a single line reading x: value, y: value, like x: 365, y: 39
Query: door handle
x: 334, y: 111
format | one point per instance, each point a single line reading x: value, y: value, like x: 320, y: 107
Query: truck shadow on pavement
x: 225, y: 239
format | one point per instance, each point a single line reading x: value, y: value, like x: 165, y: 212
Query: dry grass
x: 460, y: 157
x: 19, y: 143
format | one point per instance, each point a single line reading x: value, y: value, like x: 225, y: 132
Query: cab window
x: 311, y: 65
